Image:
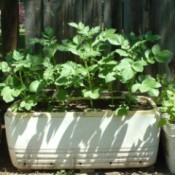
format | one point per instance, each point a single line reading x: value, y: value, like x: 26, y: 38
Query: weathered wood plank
x: 167, y: 32
x: 133, y: 16
x: 9, y: 26
x: 58, y: 14
x: 49, y: 8
x: 66, y: 11
x: 155, y: 16
x: 32, y: 19
x: 92, y: 12
x: 78, y: 11
x: 113, y: 14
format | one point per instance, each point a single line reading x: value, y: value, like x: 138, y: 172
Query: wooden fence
x: 136, y: 16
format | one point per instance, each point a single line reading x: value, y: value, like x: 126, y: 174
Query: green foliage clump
x: 106, y: 58
x: 167, y: 99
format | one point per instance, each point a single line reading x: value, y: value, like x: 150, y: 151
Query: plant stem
x: 89, y: 82
x: 22, y: 82
x: 131, y: 84
x: 111, y: 93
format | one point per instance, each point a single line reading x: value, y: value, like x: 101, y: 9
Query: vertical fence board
x: 58, y: 14
x: 133, y: 16
x: 10, y: 26
x: 92, y: 12
x: 167, y: 32
x: 49, y: 8
x: 168, y: 24
x: 70, y: 12
x: 113, y: 14
x: 32, y: 18
x: 155, y: 15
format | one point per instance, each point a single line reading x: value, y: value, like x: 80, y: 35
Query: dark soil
x: 80, y: 105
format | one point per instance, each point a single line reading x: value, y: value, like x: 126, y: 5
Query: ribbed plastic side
x: 49, y: 159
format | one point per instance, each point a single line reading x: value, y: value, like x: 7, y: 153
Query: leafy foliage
x: 124, y: 64
x: 167, y: 99
x: 106, y: 58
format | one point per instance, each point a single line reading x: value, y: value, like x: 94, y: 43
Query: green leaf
x: 28, y: 103
x: 82, y: 71
x: 77, y: 39
x: 151, y: 60
x: 62, y: 81
x: 162, y: 122
x: 72, y: 24
x: 149, y: 85
x: 17, y: 55
x: 4, y: 67
x: 113, y: 41
x: 48, y: 32
x: 35, y: 86
x: 124, y: 64
x: 73, y: 49
x: 16, y: 92
x: 33, y: 41
x: 138, y: 44
x: 121, y: 39
x: 164, y: 54
x: 127, y: 74
x: 125, y: 69
x: 136, y: 87
x: 46, y: 62
x: 122, y: 52
x: 150, y: 37
x: 85, y: 31
x: 153, y: 92
x: 92, y: 94
x: 68, y: 69
x: 95, y: 30
x: 109, y: 34
x: 149, y: 57
x: 156, y: 49
x: 81, y: 26
x: 6, y: 94
x: 125, y: 45
x: 147, y: 53
x: 48, y: 74
x: 62, y: 94
x: 110, y: 77
x: 94, y: 68
x: 138, y: 66
x: 122, y: 110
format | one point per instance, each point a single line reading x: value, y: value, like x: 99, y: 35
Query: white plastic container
x: 75, y: 140
x: 0, y: 131
x: 168, y: 142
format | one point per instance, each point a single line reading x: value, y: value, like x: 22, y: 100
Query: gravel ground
x: 6, y: 168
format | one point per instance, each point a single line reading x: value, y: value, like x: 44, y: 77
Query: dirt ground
x: 6, y: 168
